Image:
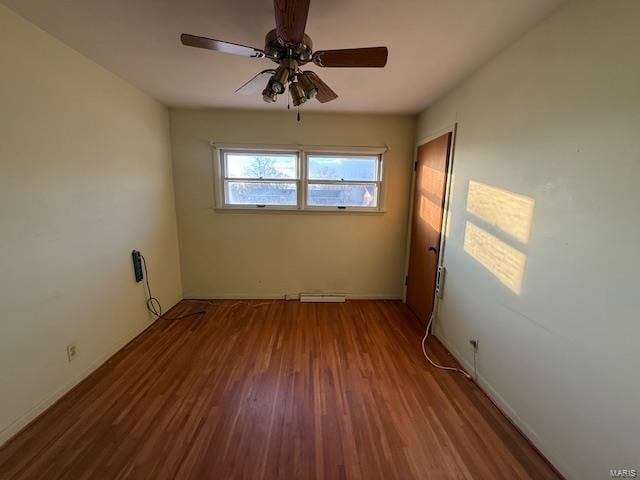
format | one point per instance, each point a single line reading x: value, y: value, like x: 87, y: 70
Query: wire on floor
x: 248, y: 304
x: 424, y: 344
x: 153, y: 304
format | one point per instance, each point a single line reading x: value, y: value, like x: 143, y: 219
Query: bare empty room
x: 305, y: 239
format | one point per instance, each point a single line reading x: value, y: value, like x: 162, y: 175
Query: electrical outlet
x: 474, y: 343
x: 136, y: 256
x: 440, y: 280
x: 72, y: 351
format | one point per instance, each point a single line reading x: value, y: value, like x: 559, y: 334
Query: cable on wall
x: 153, y: 304
x: 436, y: 302
x: 475, y: 364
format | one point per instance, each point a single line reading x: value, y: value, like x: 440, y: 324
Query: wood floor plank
x: 275, y: 390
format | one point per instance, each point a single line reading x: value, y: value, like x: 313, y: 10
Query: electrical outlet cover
x: 72, y: 351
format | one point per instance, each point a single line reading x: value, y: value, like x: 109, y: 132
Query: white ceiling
x: 433, y: 44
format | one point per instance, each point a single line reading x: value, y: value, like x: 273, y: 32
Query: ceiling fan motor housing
x: 274, y: 48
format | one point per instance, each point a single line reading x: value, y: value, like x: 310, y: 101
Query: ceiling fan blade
x: 352, y: 57
x: 325, y: 94
x: 291, y: 20
x: 220, y: 46
x: 256, y: 83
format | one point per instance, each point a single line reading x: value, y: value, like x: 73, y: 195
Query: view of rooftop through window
x: 348, y: 195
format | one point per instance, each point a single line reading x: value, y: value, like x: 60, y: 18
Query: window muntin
x: 298, y: 180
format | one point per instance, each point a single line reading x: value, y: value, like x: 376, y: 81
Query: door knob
x: 433, y: 249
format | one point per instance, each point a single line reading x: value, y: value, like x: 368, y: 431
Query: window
x: 298, y: 180
x: 341, y: 181
x: 260, y: 179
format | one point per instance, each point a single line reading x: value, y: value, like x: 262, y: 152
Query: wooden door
x: 432, y: 164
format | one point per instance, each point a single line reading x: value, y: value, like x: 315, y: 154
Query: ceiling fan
x: 289, y: 47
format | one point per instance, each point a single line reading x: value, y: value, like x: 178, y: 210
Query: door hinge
x: 415, y: 166
x: 406, y: 279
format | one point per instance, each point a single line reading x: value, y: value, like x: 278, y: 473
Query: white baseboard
x: 13, y: 428
x: 23, y: 421
x: 506, y: 409
x: 358, y: 296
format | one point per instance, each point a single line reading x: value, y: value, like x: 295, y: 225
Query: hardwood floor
x: 275, y: 390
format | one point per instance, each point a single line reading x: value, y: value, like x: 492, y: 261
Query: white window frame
x: 221, y: 179
x: 302, y: 182
x: 342, y: 208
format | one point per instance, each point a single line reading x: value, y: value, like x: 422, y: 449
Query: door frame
x: 447, y: 194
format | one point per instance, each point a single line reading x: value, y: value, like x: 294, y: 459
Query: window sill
x: 314, y: 211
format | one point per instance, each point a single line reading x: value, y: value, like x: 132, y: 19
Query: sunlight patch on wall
x: 508, y: 211
x: 503, y: 261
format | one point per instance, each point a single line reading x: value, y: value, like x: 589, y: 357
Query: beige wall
x: 547, y: 279
x: 85, y: 177
x: 273, y: 254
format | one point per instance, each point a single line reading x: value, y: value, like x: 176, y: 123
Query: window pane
x: 256, y: 165
x: 334, y: 167
x: 347, y: 195
x: 261, y: 193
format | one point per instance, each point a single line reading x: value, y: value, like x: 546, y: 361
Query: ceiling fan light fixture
x: 308, y: 87
x: 279, y: 79
x: 268, y: 95
x: 297, y: 94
